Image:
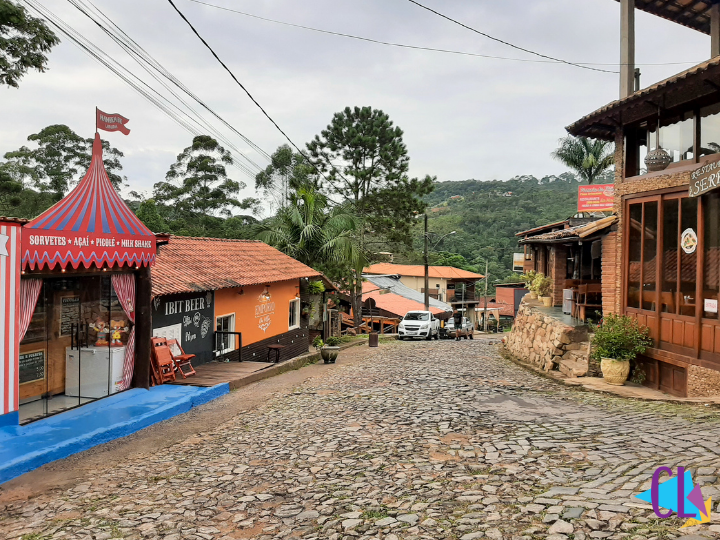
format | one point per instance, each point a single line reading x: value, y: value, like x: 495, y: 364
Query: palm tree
x: 589, y: 158
x: 312, y: 232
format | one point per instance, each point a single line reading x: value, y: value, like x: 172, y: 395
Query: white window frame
x: 230, y: 344
x: 296, y: 310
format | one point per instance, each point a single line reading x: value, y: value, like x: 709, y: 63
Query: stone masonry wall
x: 611, y: 281
x: 547, y: 342
x: 702, y: 382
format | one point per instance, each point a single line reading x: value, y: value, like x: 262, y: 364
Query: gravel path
x: 412, y: 440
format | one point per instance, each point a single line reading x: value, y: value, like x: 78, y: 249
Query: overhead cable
x: 418, y: 47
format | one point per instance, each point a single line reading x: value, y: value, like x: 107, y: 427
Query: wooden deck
x: 223, y: 372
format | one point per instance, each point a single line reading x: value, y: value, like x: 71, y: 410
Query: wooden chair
x: 164, y: 367
x: 667, y: 300
x: 583, y: 304
x: 181, y: 359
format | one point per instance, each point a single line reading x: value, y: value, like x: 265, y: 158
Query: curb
x: 575, y: 383
x: 289, y: 365
x: 41, y: 455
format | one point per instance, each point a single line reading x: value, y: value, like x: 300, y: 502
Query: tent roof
x: 90, y: 226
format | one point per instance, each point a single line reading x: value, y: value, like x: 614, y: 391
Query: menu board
x: 69, y: 314
x: 32, y: 366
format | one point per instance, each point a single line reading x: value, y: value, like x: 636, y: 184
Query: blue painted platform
x: 24, y: 448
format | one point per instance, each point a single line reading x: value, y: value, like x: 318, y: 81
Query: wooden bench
x: 277, y: 349
x: 582, y: 310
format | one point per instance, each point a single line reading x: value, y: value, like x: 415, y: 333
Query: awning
x: 91, y: 227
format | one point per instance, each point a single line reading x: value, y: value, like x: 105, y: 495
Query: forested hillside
x: 486, y: 216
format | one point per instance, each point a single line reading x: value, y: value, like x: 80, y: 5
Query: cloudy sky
x: 463, y: 116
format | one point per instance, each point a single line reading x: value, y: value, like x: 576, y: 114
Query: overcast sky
x: 463, y: 117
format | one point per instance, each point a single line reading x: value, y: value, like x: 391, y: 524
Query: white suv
x: 422, y: 324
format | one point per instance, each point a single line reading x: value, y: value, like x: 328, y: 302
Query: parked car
x: 422, y: 324
x: 449, y: 331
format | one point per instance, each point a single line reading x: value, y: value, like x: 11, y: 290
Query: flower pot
x: 533, y: 295
x: 615, y: 371
x: 546, y: 300
x: 329, y: 354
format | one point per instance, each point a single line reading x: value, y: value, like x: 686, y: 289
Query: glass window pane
x: 634, y: 254
x: 649, y: 253
x: 668, y: 295
x: 677, y: 139
x: 710, y: 130
x: 711, y: 277
x: 688, y: 256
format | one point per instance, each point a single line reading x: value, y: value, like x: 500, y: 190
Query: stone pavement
x: 432, y: 440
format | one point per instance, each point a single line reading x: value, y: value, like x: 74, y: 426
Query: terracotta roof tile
x: 396, y: 304
x: 190, y: 264
x: 418, y: 270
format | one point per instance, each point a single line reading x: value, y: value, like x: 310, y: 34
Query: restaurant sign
x: 596, y: 198
x: 705, y: 178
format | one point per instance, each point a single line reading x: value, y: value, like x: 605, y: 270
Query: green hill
x: 486, y: 216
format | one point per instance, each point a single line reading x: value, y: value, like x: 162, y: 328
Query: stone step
x: 573, y: 368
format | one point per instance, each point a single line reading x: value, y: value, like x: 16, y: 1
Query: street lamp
x: 427, y: 270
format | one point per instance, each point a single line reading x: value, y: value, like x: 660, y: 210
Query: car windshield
x: 417, y: 317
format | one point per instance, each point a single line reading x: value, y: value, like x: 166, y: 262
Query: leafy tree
x: 312, y: 232
x: 59, y: 160
x: 589, y: 158
x: 148, y: 213
x: 10, y: 192
x: 365, y: 163
x: 198, y: 188
x: 24, y: 43
x: 446, y: 258
x: 287, y: 171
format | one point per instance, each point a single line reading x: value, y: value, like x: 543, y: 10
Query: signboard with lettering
x: 705, y: 178
x: 189, y: 315
x: 69, y: 314
x: 596, y: 198
x: 32, y: 366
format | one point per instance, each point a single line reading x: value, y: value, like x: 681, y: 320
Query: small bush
x: 541, y: 285
x: 317, y: 342
x: 332, y: 341
x: 316, y: 287
x: 620, y: 337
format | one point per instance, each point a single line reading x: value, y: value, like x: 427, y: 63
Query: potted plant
x: 329, y: 352
x: 542, y: 285
x: 528, y: 277
x: 617, y: 341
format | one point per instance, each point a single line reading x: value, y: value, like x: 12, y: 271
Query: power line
x: 581, y: 66
x: 418, y: 47
x: 147, y: 57
x: 242, y: 86
x: 132, y: 80
x: 152, y: 67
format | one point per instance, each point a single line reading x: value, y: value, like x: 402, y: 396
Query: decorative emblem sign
x: 264, y: 309
x: 689, y: 241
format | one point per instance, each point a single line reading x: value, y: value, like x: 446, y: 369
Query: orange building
x: 229, y: 299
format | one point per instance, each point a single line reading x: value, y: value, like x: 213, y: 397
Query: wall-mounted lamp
x: 241, y: 291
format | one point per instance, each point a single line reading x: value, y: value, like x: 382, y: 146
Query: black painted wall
x: 194, y: 312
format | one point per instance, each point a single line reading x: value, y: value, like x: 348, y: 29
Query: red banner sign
x: 111, y: 122
x: 596, y: 198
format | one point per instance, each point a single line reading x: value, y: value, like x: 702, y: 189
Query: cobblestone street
x: 413, y: 440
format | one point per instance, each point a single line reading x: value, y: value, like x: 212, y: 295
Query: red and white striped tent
x: 90, y: 228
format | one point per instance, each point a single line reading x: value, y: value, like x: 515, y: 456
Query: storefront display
x: 75, y: 319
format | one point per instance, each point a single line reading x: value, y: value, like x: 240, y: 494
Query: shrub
x: 316, y: 287
x: 317, y: 342
x: 541, y: 285
x: 620, y: 337
x: 332, y: 341
x: 528, y: 277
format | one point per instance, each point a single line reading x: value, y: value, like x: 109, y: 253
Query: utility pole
x: 485, y: 313
x: 427, y: 270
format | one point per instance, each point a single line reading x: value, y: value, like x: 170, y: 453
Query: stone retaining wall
x: 547, y: 342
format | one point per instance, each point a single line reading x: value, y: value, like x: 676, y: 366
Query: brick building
x: 662, y: 262
x: 569, y: 252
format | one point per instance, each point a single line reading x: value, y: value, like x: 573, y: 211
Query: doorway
x: 73, y: 352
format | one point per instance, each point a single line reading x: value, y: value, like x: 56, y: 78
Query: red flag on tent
x: 111, y: 122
